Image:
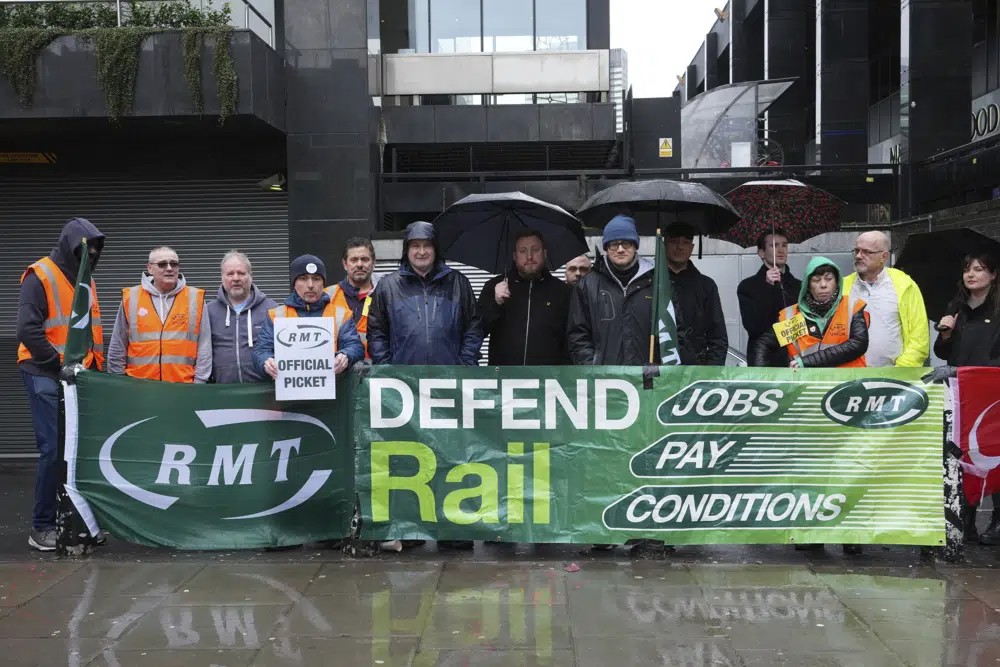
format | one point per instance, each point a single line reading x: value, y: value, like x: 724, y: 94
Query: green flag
x: 664, y: 331
x: 80, y: 338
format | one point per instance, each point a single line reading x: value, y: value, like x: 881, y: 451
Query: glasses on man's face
x: 866, y: 253
x: 172, y: 263
x: 624, y: 245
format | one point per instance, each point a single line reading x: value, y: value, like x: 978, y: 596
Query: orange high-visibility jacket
x: 838, y: 330
x: 166, y: 351
x: 338, y: 298
x: 59, y: 297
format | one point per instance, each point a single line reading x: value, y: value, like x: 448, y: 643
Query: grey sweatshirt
x: 234, y: 335
x: 118, y: 348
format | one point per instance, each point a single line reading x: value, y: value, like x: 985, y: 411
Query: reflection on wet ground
x: 459, y: 613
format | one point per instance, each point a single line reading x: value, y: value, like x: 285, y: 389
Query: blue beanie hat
x: 306, y: 265
x: 620, y: 228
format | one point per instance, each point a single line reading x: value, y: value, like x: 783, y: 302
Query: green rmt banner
x: 568, y: 454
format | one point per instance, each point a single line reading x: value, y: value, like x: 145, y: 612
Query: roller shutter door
x: 200, y: 219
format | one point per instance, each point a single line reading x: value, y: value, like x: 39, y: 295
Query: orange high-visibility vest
x: 338, y: 298
x: 838, y: 330
x: 339, y: 314
x: 166, y: 351
x: 59, y: 298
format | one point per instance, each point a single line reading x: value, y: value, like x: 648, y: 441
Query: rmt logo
x: 874, y: 403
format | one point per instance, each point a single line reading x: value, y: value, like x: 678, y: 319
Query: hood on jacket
x: 66, y: 254
x: 421, y: 231
x: 603, y: 266
x: 812, y: 268
x: 147, y: 284
x: 296, y: 302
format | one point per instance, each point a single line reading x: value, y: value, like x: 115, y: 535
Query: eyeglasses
x: 624, y: 245
x: 172, y: 263
x: 866, y: 253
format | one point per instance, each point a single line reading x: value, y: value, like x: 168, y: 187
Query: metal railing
x: 248, y: 9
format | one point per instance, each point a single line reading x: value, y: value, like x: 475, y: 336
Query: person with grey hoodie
x: 235, y: 318
x: 162, y: 281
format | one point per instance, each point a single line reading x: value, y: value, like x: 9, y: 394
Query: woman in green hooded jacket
x: 837, y: 328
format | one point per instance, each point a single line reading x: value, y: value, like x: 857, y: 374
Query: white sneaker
x: 43, y: 540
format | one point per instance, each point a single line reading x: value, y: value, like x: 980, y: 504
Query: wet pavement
x: 503, y: 605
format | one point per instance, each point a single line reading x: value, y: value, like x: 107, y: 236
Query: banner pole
x: 953, y: 551
x: 656, y: 297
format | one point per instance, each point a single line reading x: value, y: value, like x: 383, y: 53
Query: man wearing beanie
x: 701, y: 326
x: 424, y: 314
x: 611, y: 308
x: 611, y: 318
x: 308, y: 278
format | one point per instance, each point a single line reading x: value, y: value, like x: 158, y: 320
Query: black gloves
x: 940, y: 374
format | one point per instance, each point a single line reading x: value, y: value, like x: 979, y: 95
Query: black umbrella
x: 479, y: 230
x: 656, y: 204
x: 934, y: 261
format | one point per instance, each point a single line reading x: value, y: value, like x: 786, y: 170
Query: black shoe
x: 969, y: 532
x: 808, y: 547
x: 650, y: 549
x: 852, y: 549
x: 465, y: 545
x: 412, y: 544
x: 991, y: 536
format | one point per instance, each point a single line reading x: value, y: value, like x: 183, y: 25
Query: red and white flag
x: 977, y: 429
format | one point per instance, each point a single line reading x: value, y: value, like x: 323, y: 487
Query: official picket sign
x: 537, y: 454
x: 789, y: 331
x: 304, y: 349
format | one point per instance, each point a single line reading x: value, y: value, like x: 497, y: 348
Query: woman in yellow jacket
x: 837, y: 328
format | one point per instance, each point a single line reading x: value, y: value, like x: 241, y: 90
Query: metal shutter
x: 200, y: 219
x: 477, y: 277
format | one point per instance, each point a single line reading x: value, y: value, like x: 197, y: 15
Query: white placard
x: 304, y: 350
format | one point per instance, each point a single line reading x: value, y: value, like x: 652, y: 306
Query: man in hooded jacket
x: 235, y: 318
x: 46, y: 285
x: 160, y: 331
x: 424, y: 313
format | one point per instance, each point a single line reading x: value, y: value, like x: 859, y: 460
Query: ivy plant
x: 26, y: 29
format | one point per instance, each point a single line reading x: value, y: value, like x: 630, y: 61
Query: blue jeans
x: 43, y: 397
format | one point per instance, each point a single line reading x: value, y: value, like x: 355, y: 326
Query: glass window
x: 560, y: 25
x: 455, y: 26
x: 508, y: 25
x: 420, y: 20
x: 557, y: 98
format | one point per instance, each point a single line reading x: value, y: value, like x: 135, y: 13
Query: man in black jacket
x: 763, y: 295
x: 701, y: 326
x: 524, y: 311
x: 46, y: 285
x: 611, y: 309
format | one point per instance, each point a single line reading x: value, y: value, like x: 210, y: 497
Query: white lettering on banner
x: 601, y: 389
x: 711, y: 508
x: 170, y: 461
x: 243, y: 465
x: 577, y: 414
x: 524, y: 403
x: 510, y: 404
x: 285, y: 449
x: 428, y: 403
x: 304, y: 350
x: 470, y: 403
x: 739, y: 403
x: 375, y: 402
x: 693, y: 454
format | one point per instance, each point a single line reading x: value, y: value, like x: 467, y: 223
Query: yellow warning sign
x: 666, y: 147
x: 789, y: 331
x: 27, y: 158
